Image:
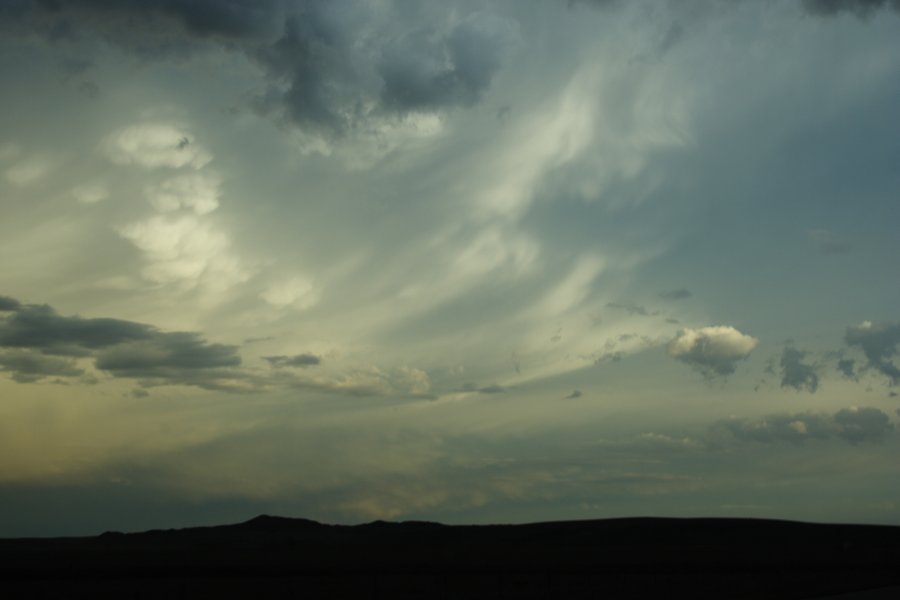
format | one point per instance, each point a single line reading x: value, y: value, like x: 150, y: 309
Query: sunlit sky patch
x: 466, y: 261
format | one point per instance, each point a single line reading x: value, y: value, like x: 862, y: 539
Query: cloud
x: 713, y: 351
x: 27, y: 366
x: 491, y: 389
x: 879, y: 343
x: 863, y: 424
x: 27, y: 171
x: 163, y: 352
x: 155, y: 145
x: 90, y: 193
x: 184, y: 250
x: 198, y: 192
x: 795, y: 373
x: 860, y: 7
x: 426, y: 72
x: 34, y: 336
x: 632, y: 308
x: 847, y: 367
x: 331, y: 67
x: 369, y: 382
x: 828, y: 242
x: 298, y: 360
x: 574, y: 394
x: 679, y: 294
x: 39, y: 327
x: 297, y: 293
x: 8, y: 304
x: 853, y: 425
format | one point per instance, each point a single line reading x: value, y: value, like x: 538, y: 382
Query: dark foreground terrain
x: 272, y: 557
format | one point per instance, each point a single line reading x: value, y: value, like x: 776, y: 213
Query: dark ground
x: 272, y: 557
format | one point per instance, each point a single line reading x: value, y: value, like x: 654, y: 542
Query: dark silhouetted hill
x: 269, y: 557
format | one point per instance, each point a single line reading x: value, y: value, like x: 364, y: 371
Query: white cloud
x: 155, y: 145
x: 196, y: 191
x: 297, y: 293
x: 27, y: 171
x: 90, y: 193
x: 712, y: 350
x: 186, y: 251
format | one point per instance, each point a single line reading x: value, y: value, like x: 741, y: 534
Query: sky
x: 462, y: 261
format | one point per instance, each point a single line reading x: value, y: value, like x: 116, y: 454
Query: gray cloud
x: 298, y: 360
x: 331, y: 66
x: 40, y: 327
x: 862, y: 424
x: 679, y: 294
x: 712, y: 351
x: 853, y: 425
x: 28, y: 366
x: 427, y: 72
x: 8, y: 304
x: 879, y: 343
x: 861, y: 7
x: 795, y: 373
x: 574, y: 394
x: 36, y: 334
x: 828, y: 242
x: 165, y: 351
x: 847, y: 367
x: 492, y: 389
x: 632, y: 308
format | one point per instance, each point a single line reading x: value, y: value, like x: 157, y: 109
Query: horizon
x: 464, y: 262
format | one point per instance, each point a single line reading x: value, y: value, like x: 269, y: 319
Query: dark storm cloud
x: 8, y: 304
x: 164, y: 351
x: 330, y: 66
x: 35, y: 334
x: 679, y: 294
x: 424, y: 71
x: 847, y: 367
x: 797, y: 374
x: 40, y: 327
x: 298, y: 360
x: 28, y: 366
x: 223, y: 18
x: 853, y: 425
x: 861, y: 7
x: 879, y: 343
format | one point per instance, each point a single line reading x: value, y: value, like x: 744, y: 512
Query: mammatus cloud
x: 154, y: 145
x: 298, y: 360
x: 795, y: 373
x: 879, y: 343
x: 330, y: 67
x: 854, y: 425
x: 713, y: 351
